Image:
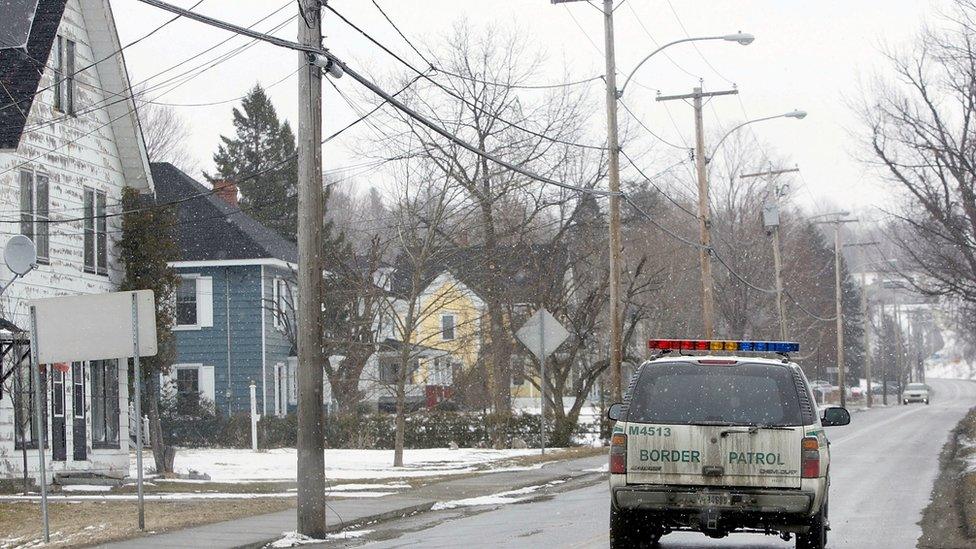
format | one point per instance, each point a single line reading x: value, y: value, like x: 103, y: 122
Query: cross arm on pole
x: 695, y: 94
x: 769, y: 172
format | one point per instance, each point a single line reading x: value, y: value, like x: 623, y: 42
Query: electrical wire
x: 451, y: 92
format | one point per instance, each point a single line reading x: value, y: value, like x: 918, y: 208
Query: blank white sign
x: 93, y: 327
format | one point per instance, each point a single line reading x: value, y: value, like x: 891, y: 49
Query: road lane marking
x: 874, y: 426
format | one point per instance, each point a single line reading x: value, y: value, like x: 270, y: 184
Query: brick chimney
x: 227, y: 190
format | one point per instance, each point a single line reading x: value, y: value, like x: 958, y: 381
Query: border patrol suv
x: 719, y: 444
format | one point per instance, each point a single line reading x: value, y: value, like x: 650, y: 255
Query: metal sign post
x: 40, y: 425
x: 542, y: 383
x: 70, y: 333
x: 542, y: 334
x: 137, y: 383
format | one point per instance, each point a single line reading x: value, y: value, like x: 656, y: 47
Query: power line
x: 648, y: 130
x: 113, y: 54
x: 450, y: 92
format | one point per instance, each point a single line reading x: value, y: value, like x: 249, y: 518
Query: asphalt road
x: 884, y: 465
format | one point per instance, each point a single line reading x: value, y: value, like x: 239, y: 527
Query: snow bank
x: 948, y: 362
x: 294, y: 539
x: 239, y: 465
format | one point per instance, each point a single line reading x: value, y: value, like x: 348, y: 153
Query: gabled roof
x: 21, y: 71
x: 209, y: 228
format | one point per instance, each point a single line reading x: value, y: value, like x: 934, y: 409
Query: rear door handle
x: 713, y: 471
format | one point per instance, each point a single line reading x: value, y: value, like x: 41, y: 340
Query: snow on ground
x: 239, y: 465
x: 86, y: 488
x: 294, y: 539
x: 948, y: 362
x: 501, y: 498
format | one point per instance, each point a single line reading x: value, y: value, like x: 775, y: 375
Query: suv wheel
x: 816, y: 538
x: 926, y: 402
x: 627, y: 530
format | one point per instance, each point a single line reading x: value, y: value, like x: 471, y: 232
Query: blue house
x: 231, y: 326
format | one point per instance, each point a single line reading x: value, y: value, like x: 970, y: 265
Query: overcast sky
x: 812, y: 55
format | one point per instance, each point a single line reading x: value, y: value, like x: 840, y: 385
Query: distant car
x: 915, y: 392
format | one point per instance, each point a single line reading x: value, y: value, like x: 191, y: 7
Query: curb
x: 406, y: 511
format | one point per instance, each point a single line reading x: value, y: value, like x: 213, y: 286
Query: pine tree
x: 261, y: 159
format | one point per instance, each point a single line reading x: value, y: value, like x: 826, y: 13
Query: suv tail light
x: 810, y: 457
x: 618, y: 454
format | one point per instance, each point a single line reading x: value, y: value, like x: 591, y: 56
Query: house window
x: 447, y: 327
x: 78, y: 394
x: 186, y: 303
x: 96, y: 238
x: 105, y: 403
x: 282, y: 303
x: 64, y: 75
x: 187, y: 389
x: 25, y: 426
x: 34, y: 195
x: 389, y: 371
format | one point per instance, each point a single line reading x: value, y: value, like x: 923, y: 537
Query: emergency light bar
x: 723, y: 345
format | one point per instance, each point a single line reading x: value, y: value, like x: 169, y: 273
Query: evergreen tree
x: 261, y: 159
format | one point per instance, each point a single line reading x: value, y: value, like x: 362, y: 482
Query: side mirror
x: 616, y: 411
x: 835, y: 416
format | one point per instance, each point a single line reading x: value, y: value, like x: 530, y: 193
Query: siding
x: 278, y: 346
x: 246, y: 289
x: 75, y: 152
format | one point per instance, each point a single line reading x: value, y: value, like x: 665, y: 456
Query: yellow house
x: 448, y: 318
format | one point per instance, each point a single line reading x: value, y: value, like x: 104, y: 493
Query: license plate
x: 713, y: 500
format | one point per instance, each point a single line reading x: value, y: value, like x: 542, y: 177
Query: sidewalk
x: 259, y: 530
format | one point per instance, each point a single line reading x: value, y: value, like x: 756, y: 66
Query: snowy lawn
x: 239, y: 465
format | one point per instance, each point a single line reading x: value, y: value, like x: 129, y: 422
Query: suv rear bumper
x: 681, y: 499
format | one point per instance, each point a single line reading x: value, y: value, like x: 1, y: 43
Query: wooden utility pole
x: 311, y: 439
x: 866, y: 322
x: 773, y: 223
x: 616, y: 328
x: 704, y: 216
x: 838, y: 301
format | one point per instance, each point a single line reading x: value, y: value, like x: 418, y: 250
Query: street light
x: 740, y: 37
x: 795, y: 114
x: 613, y: 95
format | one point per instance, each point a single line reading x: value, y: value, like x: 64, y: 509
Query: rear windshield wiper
x: 753, y: 429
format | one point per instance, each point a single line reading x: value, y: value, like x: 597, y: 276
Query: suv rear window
x: 688, y: 393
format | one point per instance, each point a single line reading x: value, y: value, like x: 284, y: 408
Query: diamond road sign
x: 542, y: 332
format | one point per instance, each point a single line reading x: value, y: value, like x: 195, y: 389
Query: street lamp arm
x: 746, y: 123
x: 620, y: 92
x: 791, y: 114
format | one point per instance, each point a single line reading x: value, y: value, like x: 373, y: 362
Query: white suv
x: 719, y: 444
x: 915, y: 392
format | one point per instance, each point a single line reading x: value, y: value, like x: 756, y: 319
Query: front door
x: 79, y: 435
x: 59, y: 441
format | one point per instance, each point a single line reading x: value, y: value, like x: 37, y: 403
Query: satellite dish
x: 20, y: 255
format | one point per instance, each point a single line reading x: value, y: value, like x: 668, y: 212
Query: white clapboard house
x: 69, y: 142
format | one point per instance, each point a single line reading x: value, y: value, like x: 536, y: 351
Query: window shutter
x: 205, y: 301
x: 207, y: 388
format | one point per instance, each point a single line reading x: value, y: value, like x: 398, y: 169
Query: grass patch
x: 966, y: 456
x: 93, y: 522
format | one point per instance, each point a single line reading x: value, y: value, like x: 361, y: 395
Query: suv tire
x: 816, y: 538
x: 627, y: 530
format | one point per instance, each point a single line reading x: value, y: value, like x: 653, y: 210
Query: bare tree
x: 477, y: 99
x: 166, y: 134
x: 919, y: 131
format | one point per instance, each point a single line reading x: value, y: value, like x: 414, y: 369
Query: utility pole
x: 704, y: 216
x: 884, y: 362
x: 866, y: 322
x: 771, y: 221
x: 899, y: 350
x: 838, y: 302
x: 311, y: 440
x: 616, y: 328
